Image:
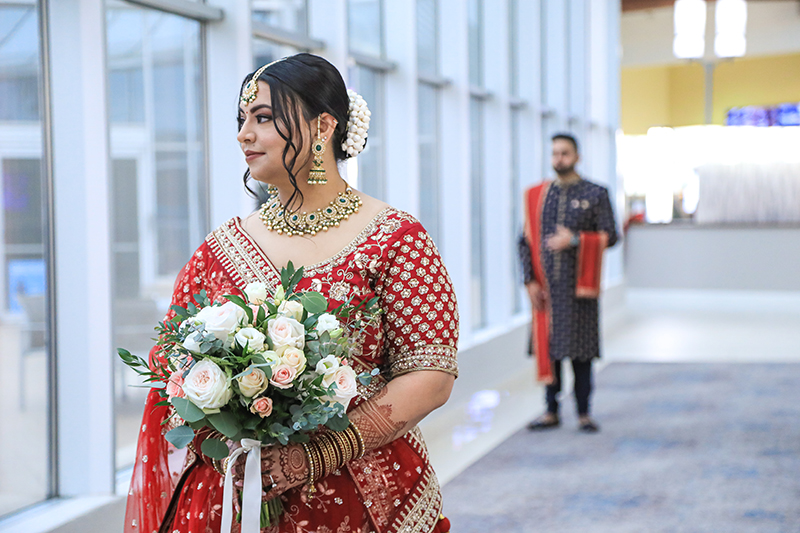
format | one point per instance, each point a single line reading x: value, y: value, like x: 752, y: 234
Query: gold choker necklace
x: 272, y: 214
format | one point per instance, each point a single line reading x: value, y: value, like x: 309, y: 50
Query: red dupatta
x: 587, y: 279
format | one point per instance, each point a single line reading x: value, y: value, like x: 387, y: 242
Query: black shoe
x: 544, y: 423
x: 589, y: 426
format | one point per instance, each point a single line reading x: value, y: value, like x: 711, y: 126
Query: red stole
x: 590, y: 258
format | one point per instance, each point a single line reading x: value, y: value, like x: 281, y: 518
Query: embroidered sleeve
x: 525, y: 260
x: 416, y: 293
x: 604, y: 216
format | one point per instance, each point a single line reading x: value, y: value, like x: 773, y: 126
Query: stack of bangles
x: 330, y: 450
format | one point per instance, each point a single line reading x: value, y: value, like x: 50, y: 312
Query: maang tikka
x: 317, y: 174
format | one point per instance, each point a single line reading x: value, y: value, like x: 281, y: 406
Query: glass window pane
x: 365, y: 31
x: 428, y: 108
x: 286, y: 14
x: 19, y: 62
x: 267, y: 51
x: 475, y: 31
x: 370, y: 163
x: 23, y: 268
x: 427, y: 49
x: 159, y: 185
x: 476, y: 212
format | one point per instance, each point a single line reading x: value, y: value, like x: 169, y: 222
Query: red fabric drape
x: 590, y: 262
x: 540, y: 329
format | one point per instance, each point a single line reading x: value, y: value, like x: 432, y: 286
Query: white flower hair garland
x: 357, y: 124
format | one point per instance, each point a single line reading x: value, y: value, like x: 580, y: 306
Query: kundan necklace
x: 273, y: 215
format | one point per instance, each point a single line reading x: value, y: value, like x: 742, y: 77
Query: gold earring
x: 317, y: 174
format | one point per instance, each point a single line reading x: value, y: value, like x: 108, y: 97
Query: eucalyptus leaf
x: 338, y: 423
x: 214, y: 448
x: 180, y: 436
x: 314, y: 302
x: 187, y: 410
x: 225, y: 423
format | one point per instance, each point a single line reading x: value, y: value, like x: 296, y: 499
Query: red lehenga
x: 390, y: 489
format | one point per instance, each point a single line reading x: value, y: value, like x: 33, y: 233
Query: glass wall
x: 428, y: 118
x: 24, y: 357
x: 159, y: 186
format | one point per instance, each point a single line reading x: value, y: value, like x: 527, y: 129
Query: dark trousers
x: 582, y: 370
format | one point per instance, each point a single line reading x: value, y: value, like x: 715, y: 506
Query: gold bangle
x: 310, y: 484
x: 362, y: 448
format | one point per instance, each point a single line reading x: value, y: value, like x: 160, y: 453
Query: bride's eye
x: 240, y: 121
x: 263, y: 118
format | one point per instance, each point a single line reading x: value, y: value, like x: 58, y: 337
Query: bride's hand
x: 285, y: 467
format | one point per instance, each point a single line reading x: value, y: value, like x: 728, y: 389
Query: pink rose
x: 261, y: 407
x: 283, y: 375
x: 174, y: 385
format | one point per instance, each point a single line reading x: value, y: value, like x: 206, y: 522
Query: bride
x: 297, y: 121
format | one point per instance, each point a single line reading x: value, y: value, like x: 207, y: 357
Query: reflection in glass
x: 365, y: 31
x: 428, y: 107
x: 476, y: 213
x: 427, y: 49
x: 371, y: 180
x: 23, y: 269
x: 158, y: 188
x: 475, y: 37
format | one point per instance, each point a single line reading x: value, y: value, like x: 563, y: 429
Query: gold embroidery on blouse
x: 425, y: 357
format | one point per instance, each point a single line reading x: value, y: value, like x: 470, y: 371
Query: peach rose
x: 283, y: 375
x: 295, y: 358
x: 174, y: 385
x: 261, y: 407
x: 285, y: 332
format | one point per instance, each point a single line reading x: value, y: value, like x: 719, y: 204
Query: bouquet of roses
x: 271, y: 369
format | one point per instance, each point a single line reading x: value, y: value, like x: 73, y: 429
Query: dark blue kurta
x: 580, y: 206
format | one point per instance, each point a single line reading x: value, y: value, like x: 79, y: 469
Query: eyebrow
x: 256, y: 108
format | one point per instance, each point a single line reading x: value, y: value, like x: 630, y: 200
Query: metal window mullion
x: 289, y: 38
x: 374, y: 63
x: 194, y: 10
x: 49, y: 252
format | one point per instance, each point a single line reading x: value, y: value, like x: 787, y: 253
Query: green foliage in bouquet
x: 272, y: 368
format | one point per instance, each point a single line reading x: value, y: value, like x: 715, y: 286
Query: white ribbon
x: 251, y: 491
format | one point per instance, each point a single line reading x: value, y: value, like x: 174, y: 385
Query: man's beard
x: 564, y: 171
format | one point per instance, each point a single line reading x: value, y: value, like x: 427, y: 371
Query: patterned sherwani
x: 581, y: 207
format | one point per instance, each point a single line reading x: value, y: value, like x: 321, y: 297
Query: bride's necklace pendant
x: 274, y: 218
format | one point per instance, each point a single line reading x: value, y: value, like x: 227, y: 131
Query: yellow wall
x: 675, y: 95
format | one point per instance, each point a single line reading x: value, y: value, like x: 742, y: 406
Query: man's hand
x: 538, y: 295
x: 560, y: 240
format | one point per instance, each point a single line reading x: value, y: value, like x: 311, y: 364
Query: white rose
x: 327, y: 365
x: 271, y: 358
x: 250, y: 337
x: 253, y: 383
x: 327, y: 322
x: 191, y: 344
x: 291, y: 309
x: 346, y: 387
x: 256, y: 292
x: 294, y: 358
x: 286, y: 332
x: 221, y: 320
x: 206, y: 386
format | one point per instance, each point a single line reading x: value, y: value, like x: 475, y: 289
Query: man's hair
x: 566, y: 137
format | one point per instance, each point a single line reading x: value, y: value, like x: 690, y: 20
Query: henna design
x: 374, y: 421
x: 293, y: 464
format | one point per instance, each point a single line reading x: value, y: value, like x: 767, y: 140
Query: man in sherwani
x: 568, y: 224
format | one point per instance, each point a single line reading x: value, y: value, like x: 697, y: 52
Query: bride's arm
x: 401, y: 405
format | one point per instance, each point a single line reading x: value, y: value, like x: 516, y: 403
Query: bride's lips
x: 250, y: 155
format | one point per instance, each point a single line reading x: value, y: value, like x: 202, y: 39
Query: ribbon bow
x: 251, y: 491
